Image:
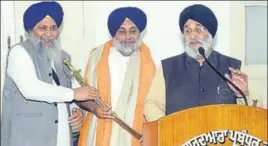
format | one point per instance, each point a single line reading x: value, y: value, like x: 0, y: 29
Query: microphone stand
x: 201, y: 50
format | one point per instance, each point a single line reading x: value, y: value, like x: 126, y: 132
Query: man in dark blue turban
x: 186, y: 81
x: 122, y: 69
x: 118, y: 16
x: 37, y: 91
x: 39, y: 11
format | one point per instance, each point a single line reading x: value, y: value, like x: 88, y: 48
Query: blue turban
x: 201, y: 14
x: 117, y: 17
x: 36, y: 12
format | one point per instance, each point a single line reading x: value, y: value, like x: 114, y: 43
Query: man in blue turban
x: 37, y: 91
x: 122, y: 70
x: 186, y: 80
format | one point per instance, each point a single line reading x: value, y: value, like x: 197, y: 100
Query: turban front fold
x: 36, y: 12
x: 201, y: 14
x: 117, y: 17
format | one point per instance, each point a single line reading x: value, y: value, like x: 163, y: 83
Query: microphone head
x: 201, y: 51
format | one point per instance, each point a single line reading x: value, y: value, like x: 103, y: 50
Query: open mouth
x: 128, y: 44
x: 195, y: 43
x: 47, y: 42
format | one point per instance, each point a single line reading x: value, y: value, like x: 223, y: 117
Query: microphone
x: 201, y: 51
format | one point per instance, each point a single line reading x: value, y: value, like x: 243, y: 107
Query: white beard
x: 126, y: 50
x: 52, y: 51
x: 193, y: 51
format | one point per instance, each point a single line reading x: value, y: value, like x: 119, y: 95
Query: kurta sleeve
x: 22, y: 71
x: 155, y: 102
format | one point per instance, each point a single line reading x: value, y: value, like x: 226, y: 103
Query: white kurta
x: 124, y: 86
x: 34, y: 89
x: 118, y: 65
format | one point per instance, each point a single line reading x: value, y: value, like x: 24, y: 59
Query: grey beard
x: 193, y: 52
x: 52, y: 52
x: 126, y: 51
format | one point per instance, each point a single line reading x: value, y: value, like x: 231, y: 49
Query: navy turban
x: 118, y: 16
x: 201, y: 14
x: 36, y: 12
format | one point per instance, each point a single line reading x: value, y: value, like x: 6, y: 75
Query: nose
x: 128, y: 36
x: 193, y: 35
x: 48, y: 33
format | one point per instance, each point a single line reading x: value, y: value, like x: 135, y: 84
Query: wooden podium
x: 243, y: 125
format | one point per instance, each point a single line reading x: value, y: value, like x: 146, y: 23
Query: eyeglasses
x: 123, y: 32
x: 45, y: 28
x: 198, y: 30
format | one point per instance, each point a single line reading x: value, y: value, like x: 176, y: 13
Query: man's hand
x: 77, y: 118
x: 86, y: 93
x: 103, y: 113
x: 240, y: 79
x: 141, y: 141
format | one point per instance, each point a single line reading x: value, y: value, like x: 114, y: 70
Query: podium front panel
x: 213, y: 125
